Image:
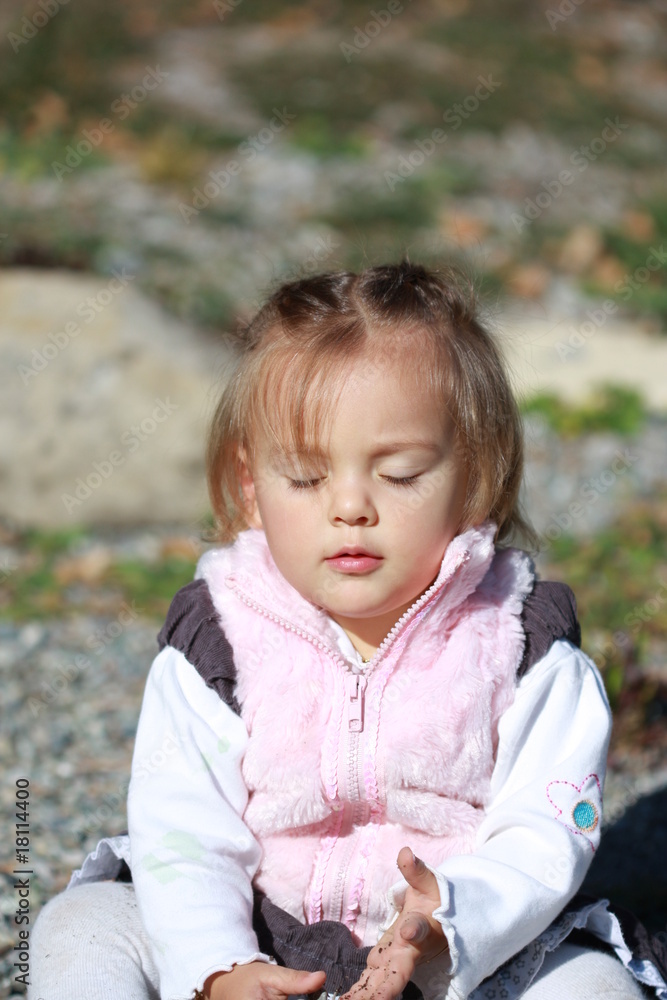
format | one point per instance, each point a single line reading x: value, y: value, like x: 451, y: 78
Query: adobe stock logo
x: 30, y: 26
x: 589, y: 494
x: 580, y: 158
x: 130, y: 440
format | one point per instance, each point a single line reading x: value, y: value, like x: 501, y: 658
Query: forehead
x: 382, y: 398
x: 389, y: 400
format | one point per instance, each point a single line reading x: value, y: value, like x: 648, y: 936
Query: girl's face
x: 390, y: 485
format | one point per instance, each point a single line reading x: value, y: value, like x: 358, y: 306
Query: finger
x: 294, y: 981
x: 415, y: 929
x: 416, y: 874
x: 375, y: 955
x: 385, y: 981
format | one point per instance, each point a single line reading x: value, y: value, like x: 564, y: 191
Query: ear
x: 247, y: 484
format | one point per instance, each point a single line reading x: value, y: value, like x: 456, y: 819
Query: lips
x: 354, y: 550
x: 354, y: 559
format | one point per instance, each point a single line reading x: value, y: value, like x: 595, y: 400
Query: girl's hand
x: 261, y: 981
x: 414, y: 937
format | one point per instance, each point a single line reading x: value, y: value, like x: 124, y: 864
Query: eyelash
x: 304, y: 484
x: 406, y: 481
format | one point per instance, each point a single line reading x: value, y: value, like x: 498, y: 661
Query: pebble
x: 72, y: 737
x: 587, y: 471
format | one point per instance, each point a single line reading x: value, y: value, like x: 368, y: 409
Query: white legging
x: 89, y: 944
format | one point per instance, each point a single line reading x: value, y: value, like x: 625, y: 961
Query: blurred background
x: 162, y: 167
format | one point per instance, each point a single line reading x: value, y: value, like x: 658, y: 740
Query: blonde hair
x: 290, y: 361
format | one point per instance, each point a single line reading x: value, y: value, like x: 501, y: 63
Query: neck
x: 365, y: 650
x: 367, y: 634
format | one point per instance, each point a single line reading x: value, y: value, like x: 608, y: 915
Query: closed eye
x: 303, y: 484
x: 405, y: 481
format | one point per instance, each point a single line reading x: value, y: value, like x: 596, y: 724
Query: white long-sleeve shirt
x: 193, y: 858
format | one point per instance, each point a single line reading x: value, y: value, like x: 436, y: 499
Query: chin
x: 360, y: 613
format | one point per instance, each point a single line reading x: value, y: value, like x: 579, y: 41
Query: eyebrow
x: 383, y: 449
x: 390, y: 447
x: 295, y: 455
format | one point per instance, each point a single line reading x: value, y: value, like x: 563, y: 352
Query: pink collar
x: 247, y: 568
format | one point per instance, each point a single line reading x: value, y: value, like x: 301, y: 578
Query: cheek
x: 427, y: 527
x: 288, y: 524
x: 278, y: 524
x: 427, y: 511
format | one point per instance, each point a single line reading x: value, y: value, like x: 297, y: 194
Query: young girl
x: 360, y: 676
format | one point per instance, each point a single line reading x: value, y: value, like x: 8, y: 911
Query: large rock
x: 104, y: 405
x: 570, y: 357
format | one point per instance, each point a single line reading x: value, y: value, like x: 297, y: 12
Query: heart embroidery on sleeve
x: 578, y: 807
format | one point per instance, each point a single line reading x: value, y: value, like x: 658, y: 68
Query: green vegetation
x: 613, y: 408
x: 643, y: 285
x: 50, y: 238
x: 619, y: 577
x: 71, y: 58
x: 536, y: 69
x: 151, y: 586
x: 71, y: 71
x: 389, y: 94
x: 53, y: 579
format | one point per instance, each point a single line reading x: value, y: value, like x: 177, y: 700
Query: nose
x: 351, y: 503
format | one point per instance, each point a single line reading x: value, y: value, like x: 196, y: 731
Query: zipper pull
x: 355, y: 684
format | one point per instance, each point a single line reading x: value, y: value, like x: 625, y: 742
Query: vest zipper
x: 336, y: 896
x: 355, y: 686
x: 290, y: 628
x: 379, y: 653
x: 391, y: 636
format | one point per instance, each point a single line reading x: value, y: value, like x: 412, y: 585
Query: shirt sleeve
x: 540, y: 829
x: 193, y: 858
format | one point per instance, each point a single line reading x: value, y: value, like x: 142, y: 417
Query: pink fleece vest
x: 344, y: 769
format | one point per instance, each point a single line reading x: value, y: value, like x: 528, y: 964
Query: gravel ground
x: 69, y: 731
x: 599, y: 473
x: 74, y: 738
x: 70, y: 722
